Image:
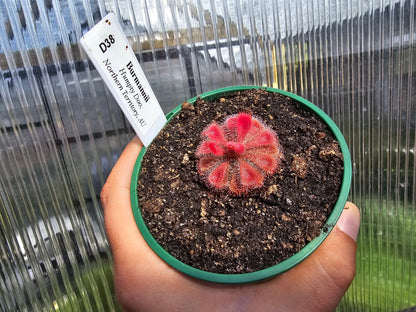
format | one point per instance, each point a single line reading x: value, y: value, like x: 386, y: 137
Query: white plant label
x: 110, y: 52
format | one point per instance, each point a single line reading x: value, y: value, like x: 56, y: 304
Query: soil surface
x: 217, y: 232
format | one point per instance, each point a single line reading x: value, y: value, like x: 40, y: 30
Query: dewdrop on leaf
x: 239, y: 154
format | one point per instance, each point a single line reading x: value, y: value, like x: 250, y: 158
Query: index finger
x: 120, y: 225
x: 123, y: 169
x: 119, y: 178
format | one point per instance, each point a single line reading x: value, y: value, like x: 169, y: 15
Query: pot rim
x: 277, y: 268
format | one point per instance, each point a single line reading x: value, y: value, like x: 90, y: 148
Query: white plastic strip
x: 114, y: 59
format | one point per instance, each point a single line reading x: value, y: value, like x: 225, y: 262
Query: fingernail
x: 349, y: 222
x: 136, y: 140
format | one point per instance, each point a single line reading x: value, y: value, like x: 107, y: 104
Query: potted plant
x: 242, y: 184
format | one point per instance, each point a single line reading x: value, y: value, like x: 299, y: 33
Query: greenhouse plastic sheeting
x: 61, y: 130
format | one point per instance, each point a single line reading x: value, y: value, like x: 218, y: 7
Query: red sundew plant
x: 239, y: 154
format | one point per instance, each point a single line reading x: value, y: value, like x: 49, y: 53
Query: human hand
x: 144, y: 282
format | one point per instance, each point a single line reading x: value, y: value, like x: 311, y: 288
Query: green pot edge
x: 273, y: 270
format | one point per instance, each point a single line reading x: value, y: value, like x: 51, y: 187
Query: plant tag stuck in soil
x: 110, y: 52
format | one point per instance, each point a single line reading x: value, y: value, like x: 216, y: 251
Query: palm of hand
x: 144, y: 282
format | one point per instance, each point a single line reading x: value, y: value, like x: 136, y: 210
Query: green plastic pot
x: 280, y: 267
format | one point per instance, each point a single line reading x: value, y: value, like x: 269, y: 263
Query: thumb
x: 349, y: 221
x: 331, y: 268
x: 320, y: 281
x: 334, y: 262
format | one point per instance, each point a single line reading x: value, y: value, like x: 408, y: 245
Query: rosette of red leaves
x: 239, y: 154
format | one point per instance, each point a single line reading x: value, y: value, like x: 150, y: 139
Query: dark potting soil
x: 217, y: 232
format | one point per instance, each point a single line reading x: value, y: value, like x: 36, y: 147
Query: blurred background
x: 61, y: 130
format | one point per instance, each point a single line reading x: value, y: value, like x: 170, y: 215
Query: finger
x: 120, y: 224
x: 123, y: 169
x: 115, y: 194
x: 349, y: 222
x: 320, y: 281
